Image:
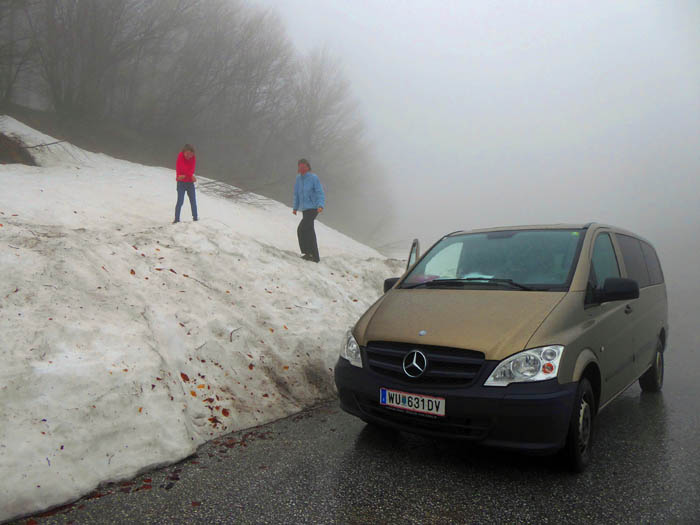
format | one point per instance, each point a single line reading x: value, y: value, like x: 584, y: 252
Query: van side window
x: 634, y: 259
x: 603, y: 265
x: 656, y: 275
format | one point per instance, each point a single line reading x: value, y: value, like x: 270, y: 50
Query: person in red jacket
x: 184, y: 175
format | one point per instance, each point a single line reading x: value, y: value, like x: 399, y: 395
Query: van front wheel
x: 580, y: 438
x: 653, y: 379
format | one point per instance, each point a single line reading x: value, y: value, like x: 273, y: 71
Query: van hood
x: 498, y: 323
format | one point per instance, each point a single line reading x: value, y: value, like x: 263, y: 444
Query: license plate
x: 434, y: 406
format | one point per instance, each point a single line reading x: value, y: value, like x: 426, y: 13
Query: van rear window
x: 656, y: 275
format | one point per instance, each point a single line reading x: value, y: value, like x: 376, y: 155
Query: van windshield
x: 512, y: 259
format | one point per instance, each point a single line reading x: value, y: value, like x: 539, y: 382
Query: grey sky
x: 493, y: 113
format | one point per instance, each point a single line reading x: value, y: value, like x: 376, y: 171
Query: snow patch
x: 128, y: 341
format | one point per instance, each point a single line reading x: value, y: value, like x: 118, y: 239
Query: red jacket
x: 184, y: 169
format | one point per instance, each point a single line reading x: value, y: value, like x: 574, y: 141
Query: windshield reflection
x: 528, y: 259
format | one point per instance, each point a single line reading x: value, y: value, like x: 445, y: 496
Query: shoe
x: 195, y: 219
x: 176, y: 220
x: 306, y: 257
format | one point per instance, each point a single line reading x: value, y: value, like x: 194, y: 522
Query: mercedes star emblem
x: 414, y: 363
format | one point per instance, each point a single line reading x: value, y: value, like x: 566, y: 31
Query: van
x: 512, y: 337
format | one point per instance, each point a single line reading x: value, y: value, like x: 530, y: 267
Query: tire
x: 579, y: 440
x: 653, y: 379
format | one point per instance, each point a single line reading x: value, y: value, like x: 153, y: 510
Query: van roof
x: 557, y: 226
x: 560, y: 226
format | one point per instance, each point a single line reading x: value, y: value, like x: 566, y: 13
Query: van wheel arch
x: 588, y: 368
x: 592, y: 373
x: 653, y: 379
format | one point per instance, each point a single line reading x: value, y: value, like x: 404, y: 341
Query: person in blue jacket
x: 310, y: 199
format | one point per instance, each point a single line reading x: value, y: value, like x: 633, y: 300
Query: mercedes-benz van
x: 513, y: 337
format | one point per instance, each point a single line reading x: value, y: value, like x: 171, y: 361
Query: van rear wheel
x: 577, y: 450
x: 653, y: 379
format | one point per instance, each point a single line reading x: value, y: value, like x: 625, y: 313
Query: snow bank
x: 127, y: 341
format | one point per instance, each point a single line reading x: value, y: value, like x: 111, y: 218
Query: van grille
x: 446, y: 366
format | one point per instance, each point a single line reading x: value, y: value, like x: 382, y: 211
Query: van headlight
x: 350, y: 350
x: 536, y: 364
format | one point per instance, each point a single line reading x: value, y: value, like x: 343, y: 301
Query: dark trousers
x: 307, y: 234
x: 182, y: 188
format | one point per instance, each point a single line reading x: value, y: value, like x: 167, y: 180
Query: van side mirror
x: 414, y: 254
x: 618, y: 289
x: 389, y: 283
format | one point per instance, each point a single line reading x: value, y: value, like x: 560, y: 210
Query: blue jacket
x: 308, y: 192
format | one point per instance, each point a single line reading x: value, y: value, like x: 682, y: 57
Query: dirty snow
x: 127, y: 341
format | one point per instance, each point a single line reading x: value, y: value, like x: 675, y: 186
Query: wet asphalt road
x: 324, y: 466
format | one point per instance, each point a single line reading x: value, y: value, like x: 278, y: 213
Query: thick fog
x: 497, y: 113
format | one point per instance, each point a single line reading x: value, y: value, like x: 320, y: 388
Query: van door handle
x: 628, y: 309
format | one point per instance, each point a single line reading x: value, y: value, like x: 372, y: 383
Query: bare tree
x: 82, y: 43
x: 226, y: 80
x: 220, y: 73
x: 325, y: 117
x: 157, y: 28
x: 252, y: 93
x: 16, y: 50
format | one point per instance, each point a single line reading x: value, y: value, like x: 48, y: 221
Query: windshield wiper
x: 468, y: 280
x: 509, y: 282
x: 415, y: 285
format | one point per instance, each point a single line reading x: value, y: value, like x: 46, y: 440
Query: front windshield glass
x: 517, y: 259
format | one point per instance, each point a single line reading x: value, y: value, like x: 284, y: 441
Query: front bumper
x: 532, y: 417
